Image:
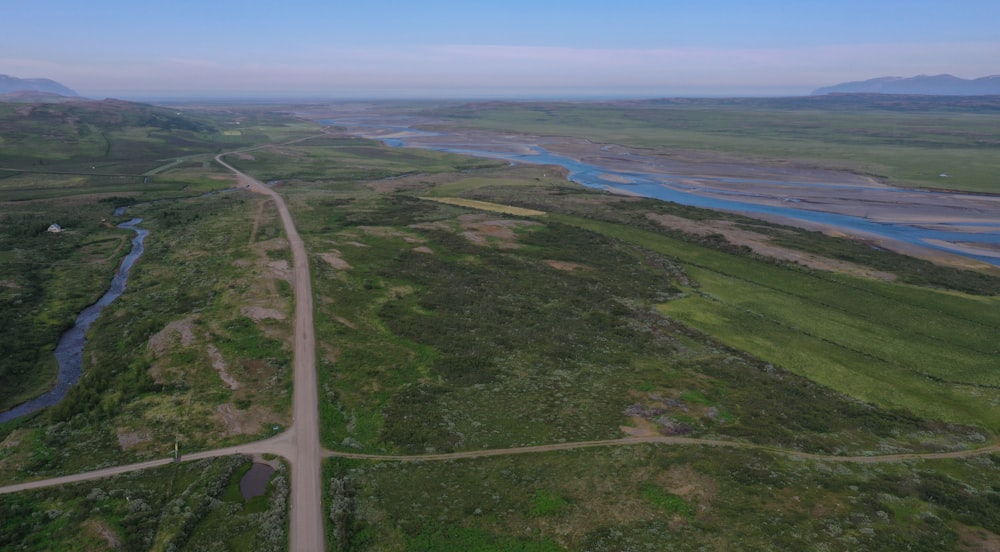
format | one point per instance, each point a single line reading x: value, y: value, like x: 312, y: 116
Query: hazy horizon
x: 448, y: 49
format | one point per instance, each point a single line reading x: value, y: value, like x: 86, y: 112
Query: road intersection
x: 300, y: 445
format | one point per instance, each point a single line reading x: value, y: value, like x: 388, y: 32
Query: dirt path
x: 256, y: 224
x: 280, y: 445
x: 300, y: 443
x: 285, y: 445
x: 682, y: 441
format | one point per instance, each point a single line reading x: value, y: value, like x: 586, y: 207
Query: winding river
x: 69, y: 351
x: 670, y: 188
x: 960, y: 224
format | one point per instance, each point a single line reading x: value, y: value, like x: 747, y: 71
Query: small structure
x: 55, y: 228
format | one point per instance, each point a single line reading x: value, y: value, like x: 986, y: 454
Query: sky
x: 144, y: 49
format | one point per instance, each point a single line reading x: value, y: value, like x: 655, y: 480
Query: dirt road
x: 306, y: 511
x: 284, y: 445
x: 281, y: 445
x: 300, y: 443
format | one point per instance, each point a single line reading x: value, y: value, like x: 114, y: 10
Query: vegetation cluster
x: 449, y: 320
x: 191, y: 506
x: 887, y: 137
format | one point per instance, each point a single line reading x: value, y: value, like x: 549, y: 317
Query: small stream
x: 69, y: 351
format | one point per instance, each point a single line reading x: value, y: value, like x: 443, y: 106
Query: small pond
x: 254, y: 482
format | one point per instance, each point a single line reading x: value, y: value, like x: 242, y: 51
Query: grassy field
x: 662, y: 498
x: 456, y: 325
x: 451, y: 316
x: 195, y: 350
x: 905, y: 143
x: 48, y: 278
x: 190, y: 506
x: 903, y: 347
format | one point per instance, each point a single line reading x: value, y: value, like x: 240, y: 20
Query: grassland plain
x: 448, y: 327
x: 906, y: 141
x: 664, y: 498
x: 939, y: 339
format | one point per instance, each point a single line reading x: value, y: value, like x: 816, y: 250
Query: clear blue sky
x: 428, y: 48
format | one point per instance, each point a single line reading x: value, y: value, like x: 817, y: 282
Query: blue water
x: 656, y: 187
x: 69, y: 351
x: 647, y: 186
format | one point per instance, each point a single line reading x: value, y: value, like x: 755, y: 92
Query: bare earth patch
x: 272, y: 244
x: 130, y: 439
x: 281, y: 270
x: 977, y: 539
x: 384, y: 232
x: 423, y: 249
x: 345, y: 322
x: 178, y: 329
x: 333, y: 259
x: 761, y: 244
x: 686, y: 482
x: 240, y: 422
x: 100, y: 530
x: 220, y: 366
x: 484, y: 230
x: 260, y: 313
x: 641, y: 428
x: 564, y: 265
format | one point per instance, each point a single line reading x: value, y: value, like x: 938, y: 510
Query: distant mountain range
x: 931, y: 85
x: 9, y: 84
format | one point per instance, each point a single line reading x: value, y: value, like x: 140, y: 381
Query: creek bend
x: 69, y: 350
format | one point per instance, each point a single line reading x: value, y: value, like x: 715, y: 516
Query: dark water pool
x: 254, y: 482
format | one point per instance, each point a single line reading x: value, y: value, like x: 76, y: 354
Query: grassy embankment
x: 898, y: 139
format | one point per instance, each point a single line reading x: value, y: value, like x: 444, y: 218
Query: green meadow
x: 191, y: 506
x: 901, y: 141
x: 900, y: 346
x: 464, y: 305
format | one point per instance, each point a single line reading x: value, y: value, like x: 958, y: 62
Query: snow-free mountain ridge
x: 9, y: 84
x: 932, y: 85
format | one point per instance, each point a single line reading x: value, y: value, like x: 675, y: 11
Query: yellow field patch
x: 487, y: 206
